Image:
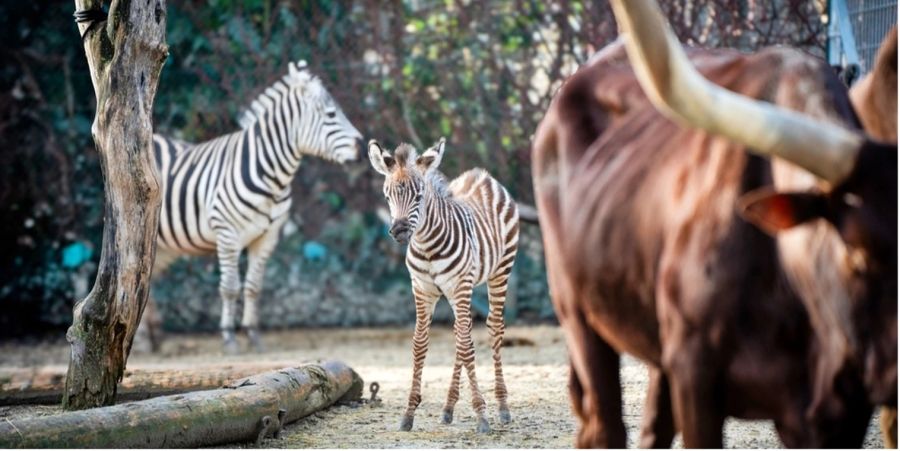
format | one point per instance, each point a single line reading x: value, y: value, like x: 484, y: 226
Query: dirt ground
x: 536, y: 377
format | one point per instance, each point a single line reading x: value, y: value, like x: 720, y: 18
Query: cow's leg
x: 889, y: 426
x: 696, y: 390
x: 148, y: 337
x: 426, y: 298
x: 229, y: 290
x: 576, y: 393
x: 794, y: 430
x: 497, y: 297
x: 848, y: 430
x: 658, y: 427
x: 596, y: 366
x: 258, y: 254
x: 465, y: 348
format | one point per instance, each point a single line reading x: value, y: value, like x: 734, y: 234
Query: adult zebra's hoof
x: 255, y: 340
x: 483, y: 427
x: 230, y: 344
x: 447, y: 417
x: 231, y: 348
x: 406, y: 423
x: 505, y: 417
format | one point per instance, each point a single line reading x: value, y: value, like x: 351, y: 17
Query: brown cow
x: 647, y: 253
x: 875, y: 100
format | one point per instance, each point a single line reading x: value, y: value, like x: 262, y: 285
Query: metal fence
x: 856, y: 30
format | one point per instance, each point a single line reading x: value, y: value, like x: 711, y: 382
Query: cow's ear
x: 774, y: 212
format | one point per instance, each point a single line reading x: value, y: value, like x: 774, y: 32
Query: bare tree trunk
x: 125, y: 54
x: 246, y: 409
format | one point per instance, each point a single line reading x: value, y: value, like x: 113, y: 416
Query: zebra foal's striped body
x: 460, y: 235
x: 234, y: 192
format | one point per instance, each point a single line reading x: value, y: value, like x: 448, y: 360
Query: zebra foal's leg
x: 229, y: 290
x: 465, y: 348
x: 425, y: 302
x: 453, y: 393
x: 258, y: 254
x: 497, y: 286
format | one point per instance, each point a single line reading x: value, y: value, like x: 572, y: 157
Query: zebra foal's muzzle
x: 401, y: 231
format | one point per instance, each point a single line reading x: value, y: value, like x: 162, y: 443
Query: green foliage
x: 480, y: 73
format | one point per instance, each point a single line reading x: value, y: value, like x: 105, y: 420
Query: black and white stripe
x: 460, y: 235
x: 234, y: 192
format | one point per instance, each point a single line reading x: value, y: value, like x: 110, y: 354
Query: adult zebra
x: 460, y: 235
x: 234, y: 192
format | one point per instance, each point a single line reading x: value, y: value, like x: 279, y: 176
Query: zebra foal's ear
x: 431, y: 158
x: 381, y: 161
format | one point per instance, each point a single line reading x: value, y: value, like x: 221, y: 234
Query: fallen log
x: 247, y: 409
x: 44, y: 385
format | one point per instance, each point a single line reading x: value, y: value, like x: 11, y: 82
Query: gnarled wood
x: 125, y: 54
x: 44, y: 385
x: 244, y: 410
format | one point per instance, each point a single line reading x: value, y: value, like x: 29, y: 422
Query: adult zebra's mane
x: 298, y: 77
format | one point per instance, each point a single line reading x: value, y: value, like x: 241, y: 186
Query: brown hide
x: 875, y: 96
x: 647, y: 255
x: 875, y: 100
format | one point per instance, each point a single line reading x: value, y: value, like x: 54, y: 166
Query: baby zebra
x: 460, y: 235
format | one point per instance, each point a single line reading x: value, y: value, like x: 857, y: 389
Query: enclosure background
x: 480, y: 73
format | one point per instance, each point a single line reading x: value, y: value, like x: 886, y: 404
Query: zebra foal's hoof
x: 447, y: 417
x: 483, y: 427
x: 406, y: 423
x: 505, y: 417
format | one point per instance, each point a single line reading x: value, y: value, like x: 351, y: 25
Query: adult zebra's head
x: 314, y: 122
x: 406, y: 176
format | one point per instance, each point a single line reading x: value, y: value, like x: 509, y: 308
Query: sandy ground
x: 536, y: 378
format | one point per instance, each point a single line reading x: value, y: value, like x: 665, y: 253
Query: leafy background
x: 480, y: 73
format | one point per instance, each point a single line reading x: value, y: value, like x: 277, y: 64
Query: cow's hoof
x: 406, y: 423
x: 483, y: 427
x: 505, y: 418
x: 447, y: 417
x: 255, y: 340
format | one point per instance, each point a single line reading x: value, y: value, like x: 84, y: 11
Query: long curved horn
x: 682, y: 94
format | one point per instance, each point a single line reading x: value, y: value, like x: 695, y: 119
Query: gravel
x: 536, y: 376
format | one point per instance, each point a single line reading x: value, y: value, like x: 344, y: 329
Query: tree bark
x: 45, y: 385
x: 247, y: 409
x: 125, y: 54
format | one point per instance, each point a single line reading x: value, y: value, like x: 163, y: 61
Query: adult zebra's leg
x: 497, y: 286
x: 229, y: 290
x: 148, y: 337
x: 465, y: 348
x: 426, y: 298
x: 258, y: 254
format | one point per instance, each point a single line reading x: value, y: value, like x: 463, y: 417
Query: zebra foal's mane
x: 298, y: 77
x: 406, y: 156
